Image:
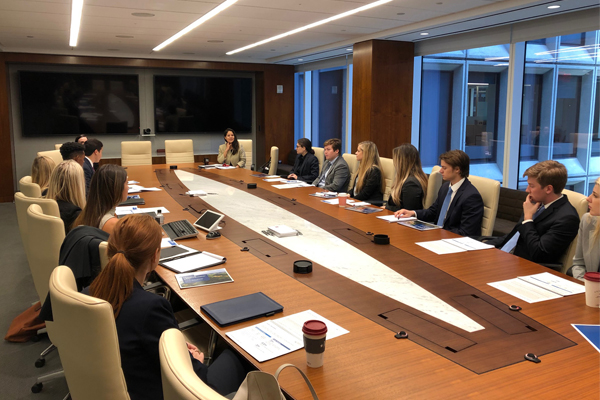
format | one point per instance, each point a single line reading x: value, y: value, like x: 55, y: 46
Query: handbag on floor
x: 264, y: 386
x: 25, y: 325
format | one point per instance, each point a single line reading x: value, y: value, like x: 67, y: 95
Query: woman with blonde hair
x: 108, y: 189
x: 410, y: 183
x: 141, y: 316
x: 369, y: 183
x: 587, y: 252
x: 67, y: 187
x: 40, y: 172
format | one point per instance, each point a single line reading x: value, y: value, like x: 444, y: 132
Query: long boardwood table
x: 370, y: 361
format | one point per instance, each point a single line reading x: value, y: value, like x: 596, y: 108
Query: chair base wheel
x: 40, y: 362
x: 37, y: 388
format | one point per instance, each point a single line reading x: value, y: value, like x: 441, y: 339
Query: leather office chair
x: 103, y: 250
x: 489, y: 190
x: 320, y: 154
x: 247, y: 145
x: 580, y: 203
x: 274, y: 160
x: 179, y: 151
x: 388, y: 174
x: 29, y: 188
x: 179, y: 380
x: 136, y: 153
x: 351, y: 161
x: 22, y: 203
x: 86, y: 335
x: 53, y: 154
x: 433, y: 186
x: 57, y: 146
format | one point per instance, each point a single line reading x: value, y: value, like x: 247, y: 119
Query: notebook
x: 244, y: 308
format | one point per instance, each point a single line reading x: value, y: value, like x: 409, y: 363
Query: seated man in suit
x: 73, y: 151
x: 335, y: 174
x: 459, y: 206
x: 93, y: 154
x: 549, y: 223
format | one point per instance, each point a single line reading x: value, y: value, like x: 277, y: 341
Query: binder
x: 239, y: 309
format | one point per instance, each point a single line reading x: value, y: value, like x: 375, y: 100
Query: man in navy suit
x: 549, y: 222
x: 93, y: 154
x: 459, y: 206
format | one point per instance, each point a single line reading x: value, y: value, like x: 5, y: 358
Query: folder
x: 244, y: 308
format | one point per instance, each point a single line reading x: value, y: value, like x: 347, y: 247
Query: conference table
x: 370, y: 361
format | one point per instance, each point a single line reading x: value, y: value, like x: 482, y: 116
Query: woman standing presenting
x: 410, y: 184
x: 230, y: 152
x: 369, y: 183
x: 306, y: 167
x: 587, y: 253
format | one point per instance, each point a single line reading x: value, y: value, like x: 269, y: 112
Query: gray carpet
x: 17, y: 370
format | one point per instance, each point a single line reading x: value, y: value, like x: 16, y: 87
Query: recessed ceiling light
x: 424, y: 33
x: 309, y: 26
x: 214, y: 41
x: 76, y: 11
x: 124, y: 36
x: 195, y: 24
x: 553, y: 7
x: 143, y: 15
x: 348, y: 49
x: 301, y: 59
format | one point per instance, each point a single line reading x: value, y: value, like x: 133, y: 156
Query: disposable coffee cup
x: 342, y: 197
x: 592, y: 289
x: 314, y: 342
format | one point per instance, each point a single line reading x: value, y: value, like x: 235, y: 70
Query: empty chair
x: 247, y: 145
x: 29, y: 188
x: 22, y: 203
x: 489, y: 190
x: 136, y: 153
x: 434, y: 183
x: 274, y: 160
x: 320, y: 154
x: 388, y: 174
x: 179, y: 381
x: 579, y: 202
x: 179, y: 151
x: 85, y: 332
x: 53, y: 154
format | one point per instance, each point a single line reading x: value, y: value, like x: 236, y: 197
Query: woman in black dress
x: 410, y: 184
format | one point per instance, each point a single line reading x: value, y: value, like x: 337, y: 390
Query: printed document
x: 457, y: 245
x: 539, y: 287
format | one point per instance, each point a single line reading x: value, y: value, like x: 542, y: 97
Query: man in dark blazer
x: 549, y: 223
x: 93, y: 154
x: 459, y: 206
x: 335, y: 174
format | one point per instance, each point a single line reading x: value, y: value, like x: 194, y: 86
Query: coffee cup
x: 314, y: 342
x: 342, y: 197
x: 592, y: 289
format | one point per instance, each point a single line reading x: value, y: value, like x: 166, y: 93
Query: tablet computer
x: 209, y: 221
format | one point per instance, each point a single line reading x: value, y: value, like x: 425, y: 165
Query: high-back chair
x: 274, y: 160
x: 86, y: 335
x: 22, y: 203
x: 388, y: 174
x: 29, y: 188
x: 320, y: 154
x: 434, y: 183
x: 103, y: 251
x: 179, y: 381
x: 136, y: 153
x: 179, y: 151
x: 489, y: 190
x: 53, y: 154
x: 351, y: 161
x: 247, y: 145
x: 580, y: 203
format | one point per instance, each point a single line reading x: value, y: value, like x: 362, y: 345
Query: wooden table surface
x: 369, y: 361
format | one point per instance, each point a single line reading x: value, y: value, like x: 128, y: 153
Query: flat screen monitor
x: 58, y: 103
x: 196, y: 104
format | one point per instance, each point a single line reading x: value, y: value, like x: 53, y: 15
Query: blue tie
x: 512, y: 242
x: 445, y: 206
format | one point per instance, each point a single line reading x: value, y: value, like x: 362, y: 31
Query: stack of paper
x: 539, y: 287
x: 324, y: 194
x: 282, y: 231
x: 125, y: 210
x: 458, y: 245
x: 291, y: 185
x: 336, y: 201
x: 392, y: 218
x: 138, y: 188
x: 197, y: 193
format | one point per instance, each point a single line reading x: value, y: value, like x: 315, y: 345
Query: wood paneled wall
x: 274, y: 112
x: 382, y: 90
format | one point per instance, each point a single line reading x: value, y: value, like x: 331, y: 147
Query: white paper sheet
x: 336, y: 201
x: 277, y: 337
x: 193, y: 262
x: 124, y: 210
x: 274, y: 180
x: 524, y: 290
x: 291, y: 185
x: 466, y: 243
x: 392, y: 218
x: 440, y: 247
x: 227, y: 167
x: 554, y: 283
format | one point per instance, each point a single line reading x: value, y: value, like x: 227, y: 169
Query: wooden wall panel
x: 382, y: 94
x: 274, y: 112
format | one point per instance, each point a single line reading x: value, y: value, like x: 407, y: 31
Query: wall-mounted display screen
x: 58, y: 103
x: 195, y: 104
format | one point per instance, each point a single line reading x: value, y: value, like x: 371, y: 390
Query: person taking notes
x: 306, y: 167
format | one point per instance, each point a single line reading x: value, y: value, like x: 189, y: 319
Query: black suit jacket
x: 88, y: 171
x: 371, y: 190
x: 465, y: 213
x: 308, y: 171
x: 411, y: 196
x: 547, y: 238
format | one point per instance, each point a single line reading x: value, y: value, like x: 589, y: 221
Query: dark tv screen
x: 57, y: 103
x: 194, y: 104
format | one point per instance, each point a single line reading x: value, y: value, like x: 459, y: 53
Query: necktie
x: 444, y: 210
x: 325, y: 169
x: 512, y: 243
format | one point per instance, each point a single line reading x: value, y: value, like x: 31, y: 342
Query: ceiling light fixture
x: 424, y: 33
x: 309, y: 26
x: 195, y: 24
x: 553, y: 7
x: 76, y: 11
x: 348, y: 49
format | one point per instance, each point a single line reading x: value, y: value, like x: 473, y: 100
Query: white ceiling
x: 42, y: 26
